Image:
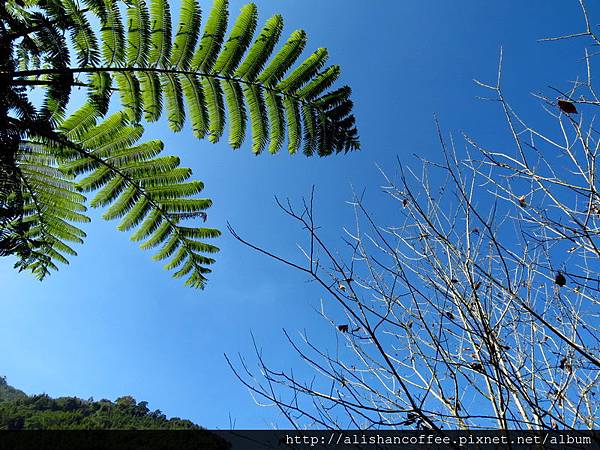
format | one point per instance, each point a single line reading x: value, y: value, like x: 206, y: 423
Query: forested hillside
x: 20, y: 411
x: 7, y: 392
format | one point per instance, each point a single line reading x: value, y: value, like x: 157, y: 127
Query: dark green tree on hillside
x: 157, y: 66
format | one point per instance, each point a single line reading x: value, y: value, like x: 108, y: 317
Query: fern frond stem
x: 43, y: 83
x: 39, y: 72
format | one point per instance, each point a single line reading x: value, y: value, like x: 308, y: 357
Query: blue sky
x: 114, y: 323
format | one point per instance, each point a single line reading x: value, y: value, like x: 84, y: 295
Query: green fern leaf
x: 237, y: 112
x: 276, y: 116
x: 196, y: 102
x: 212, y: 39
x: 151, y: 95
x: 160, y: 33
x: 238, y: 41
x: 258, y: 117
x: 305, y: 71
x: 187, y: 34
x: 135, y: 215
x: 129, y: 88
x: 113, y: 35
x: 174, y: 98
x: 319, y: 84
x: 50, y: 203
x: 217, y: 80
x: 215, y: 108
x: 138, y: 33
x: 148, y: 193
x: 292, y: 114
x: 261, y: 49
x: 83, y: 38
x: 284, y: 59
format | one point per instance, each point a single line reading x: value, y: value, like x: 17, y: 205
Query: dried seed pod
x: 560, y: 279
x: 567, y: 107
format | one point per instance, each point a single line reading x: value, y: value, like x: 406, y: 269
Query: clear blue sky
x: 114, y: 323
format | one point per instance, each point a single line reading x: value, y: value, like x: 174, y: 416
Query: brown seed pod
x: 567, y: 107
x: 560, y: 279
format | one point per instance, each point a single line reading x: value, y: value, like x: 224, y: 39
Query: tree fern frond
x: 187, y: 34
x: 218, y: 81
x: 141, y: 152
x: 145, y: 191
x: 151, y: 95
x: 179, y: 190
x: 310, y: 130
x: 158, y: 179
x: 237, y: 112
x: 238, y: 41
x: 202, y: 247
x: 174, y: 99
x: 121, y: 205
x: 258, y: 117
x: 110, y: 192
x: 340, y: 111
x: 80, y: 121
x: 169, y: 247
x: 261, y: 49
x: 152, y: 222
x: 97, y: 6
x: 215, y: 108
x: 284, y: 59
x: 129, y: 88
x: 99, y: 134
x: 138, y: 33
x: 96, y: 179
x: 196, y: 103
x: 113, y: 35
x: 57, y: 97
x: 50, y: 203
x: 212, y: 39
x: 305, y: 71
x: 228, y: 75
x: 320, y: 83
x: 292, y: 114
x: 135, y: 215
x: 156, y: 237
x: 186, y: 205
x: 83, y: 37
x: 334, y: 98
x: 119, y: 140
x: 23, y: 57
x: 100, y: 85
x: 177, y: 259
x: 163, y: 164
x: 160, y: 33
x: 276, y: 116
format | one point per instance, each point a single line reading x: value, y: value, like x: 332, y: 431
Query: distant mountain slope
x: 7, y: 392
x: 19, y: 411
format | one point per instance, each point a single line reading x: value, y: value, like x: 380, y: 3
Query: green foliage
x: 7, y: 392
x: 41, y: 412
x: 150, y: 194
x: 50, y: 204
x: 161, y: 55
x: 210, y: 78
